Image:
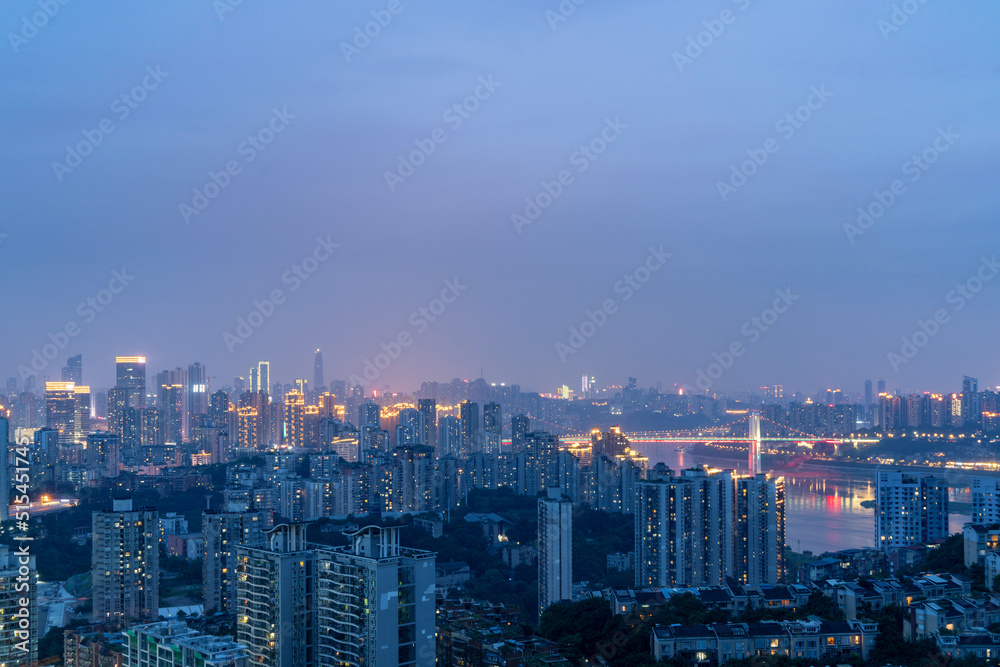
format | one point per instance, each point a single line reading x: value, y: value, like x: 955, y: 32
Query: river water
x: 823, y: 509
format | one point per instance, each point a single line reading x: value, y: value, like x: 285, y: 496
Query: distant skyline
x: 490, y: 183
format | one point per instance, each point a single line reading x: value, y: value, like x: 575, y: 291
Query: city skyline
x: 855, y: 390
x: 658, y: 191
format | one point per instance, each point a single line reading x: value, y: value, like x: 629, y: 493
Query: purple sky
x: 680, y: 121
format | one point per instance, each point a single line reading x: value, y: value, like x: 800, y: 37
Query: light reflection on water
x: 823, y: 509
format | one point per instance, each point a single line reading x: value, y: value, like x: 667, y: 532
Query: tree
x: 577, y: 627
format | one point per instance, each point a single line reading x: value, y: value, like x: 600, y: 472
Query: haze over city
x: 646, y: 114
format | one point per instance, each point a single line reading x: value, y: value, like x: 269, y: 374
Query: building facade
x: 910, y: 509
x: 555, y: 548
x: 174, y: 644
x: 125, y: 563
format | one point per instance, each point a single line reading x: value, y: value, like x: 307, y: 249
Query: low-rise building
x: 979, y: 540
x: 92, y: 646
x: 174, y: 644
x: 976, y: 642
x: 950, y: 615
x: 720, y: 642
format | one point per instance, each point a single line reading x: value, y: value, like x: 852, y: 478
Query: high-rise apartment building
x: 125, y: 563
x: 223, y: 532
x: 369, y: 414
x: 275, y: 608
x: 519, y: 427
x: 469, y: 414
x: 397, y: 630
x: 910, y: 509
x: 704, y: 526
x: 449, y: 436
x: 4, y: 470
x: 971, y: 410
x: 428, y: 408
x: 555, y: 548
x: 985, y: 500
x: 492, y: 427
x: 760, y: 530
x: 18, y: 608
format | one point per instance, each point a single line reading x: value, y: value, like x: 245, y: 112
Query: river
x: 823, y: 509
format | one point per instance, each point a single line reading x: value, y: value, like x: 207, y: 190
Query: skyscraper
x: 869, y: 398
x: 555, y: 548
x: 125, y: 563
x: 81, y: 412
x: 73, y: 370
x: 195, y: 397
x: 131, y: 375
x: 260, y: 377
x: 318, y: 383
x: 60, y: 409
x: 910, y: 509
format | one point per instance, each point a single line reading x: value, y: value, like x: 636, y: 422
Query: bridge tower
x: 754, y: 436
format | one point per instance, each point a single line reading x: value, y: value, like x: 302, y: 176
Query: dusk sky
x: 873, y: 87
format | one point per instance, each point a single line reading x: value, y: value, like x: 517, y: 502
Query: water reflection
x: 823, y: 509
